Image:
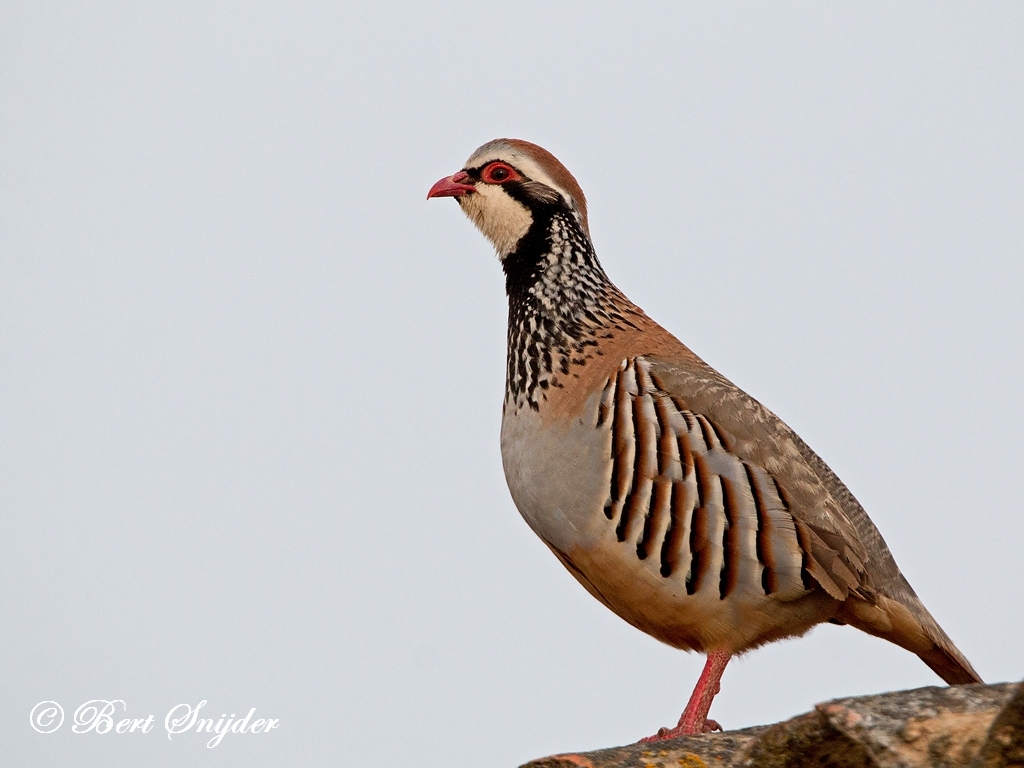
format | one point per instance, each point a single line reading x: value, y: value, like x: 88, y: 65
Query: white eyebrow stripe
x: 522, y: 162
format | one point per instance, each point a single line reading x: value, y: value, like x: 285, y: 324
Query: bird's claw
x: 682, y: 730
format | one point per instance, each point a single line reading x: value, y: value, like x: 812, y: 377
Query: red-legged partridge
x: 675, y: 498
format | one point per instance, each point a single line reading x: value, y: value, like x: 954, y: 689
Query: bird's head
x: 507, y: 185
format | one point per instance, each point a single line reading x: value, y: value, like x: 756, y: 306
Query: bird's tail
x: 950, y: 665
x: 907, y: 623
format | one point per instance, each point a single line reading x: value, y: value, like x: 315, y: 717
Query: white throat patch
x: 503, y: 220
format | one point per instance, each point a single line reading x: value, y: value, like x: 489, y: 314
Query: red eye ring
x: 499, y: 173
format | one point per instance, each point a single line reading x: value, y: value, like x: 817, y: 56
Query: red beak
x: 451, y: 186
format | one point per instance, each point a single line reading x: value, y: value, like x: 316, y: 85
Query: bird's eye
x: 499, y: 173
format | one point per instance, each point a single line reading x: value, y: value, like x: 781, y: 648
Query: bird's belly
x: 686, y: 615
x: 559, y: 479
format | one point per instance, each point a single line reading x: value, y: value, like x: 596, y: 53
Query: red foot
x: 694, y: 720
x: 679, y: 730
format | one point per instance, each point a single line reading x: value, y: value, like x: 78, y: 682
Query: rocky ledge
x: 977, y: 726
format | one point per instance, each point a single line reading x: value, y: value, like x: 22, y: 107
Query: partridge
x: 672, y: 496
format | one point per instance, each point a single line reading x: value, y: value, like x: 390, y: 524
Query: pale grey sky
x: 252, y: 380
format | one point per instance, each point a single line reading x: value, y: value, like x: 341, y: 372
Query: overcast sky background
x: 251, y: 379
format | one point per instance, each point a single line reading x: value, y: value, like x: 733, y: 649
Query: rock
x: 974, y: 726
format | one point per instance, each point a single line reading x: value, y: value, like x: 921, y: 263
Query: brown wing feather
x: 843, y: 551
x: 677, y: 490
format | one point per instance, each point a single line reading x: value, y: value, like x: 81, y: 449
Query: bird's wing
x: 844, y: 553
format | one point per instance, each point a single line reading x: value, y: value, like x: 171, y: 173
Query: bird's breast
x: 643, y: 502
x: 556, y: 471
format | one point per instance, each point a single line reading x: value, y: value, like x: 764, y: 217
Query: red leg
x: 694, y: 718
